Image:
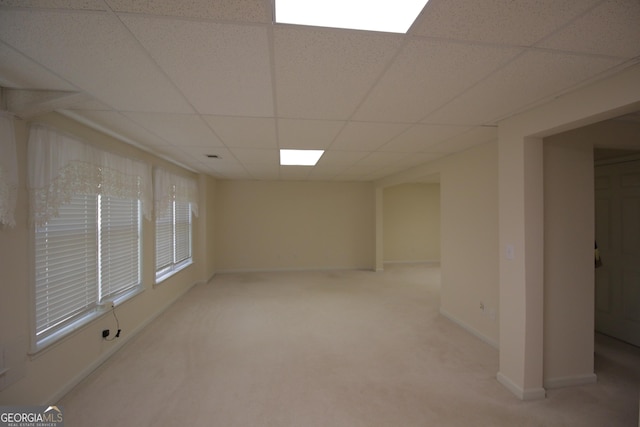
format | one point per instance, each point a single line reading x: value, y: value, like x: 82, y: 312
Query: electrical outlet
x: 105, y: 333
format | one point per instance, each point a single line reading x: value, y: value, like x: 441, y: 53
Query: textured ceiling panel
x: 254, y: 155
x: 612, y: 28
x: 427, y: 74
x: 335, y: 158
x: 19, y: 72
x: 197, y: 77
x: 497, y: 21
x: 307, y: 134
x: 245, y: 132
x: 366, y: 135
x: 222, y: 69
x: 379, y: 158
x: 219, y: 10
x: 178, y: 129
x: 325, y: 73
x: 263, y: 171
x: 92, y: 51
x: 295, y: 173
x: 531, y: 78
x: 421, y: 137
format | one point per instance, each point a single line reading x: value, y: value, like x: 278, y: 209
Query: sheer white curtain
x: 168, y: 187
x: 60, y: 166
x: 8, y: 170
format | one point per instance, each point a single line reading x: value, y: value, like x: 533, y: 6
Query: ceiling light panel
x: 300, y: 157
x: 395, y: 16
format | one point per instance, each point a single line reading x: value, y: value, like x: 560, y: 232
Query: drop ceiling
x: 186, y: 79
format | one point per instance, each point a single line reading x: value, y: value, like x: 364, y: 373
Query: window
x: 86, y: 207
x: 88, y: 254
x: 173, y: 239
x: 176, y: 199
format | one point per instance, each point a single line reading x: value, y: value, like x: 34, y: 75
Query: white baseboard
x: 107, y: 354
x: 522, y: 394
x: 469, y: 329
x: 420, y: 261
x: 570, y: 381
x: 294, y: 270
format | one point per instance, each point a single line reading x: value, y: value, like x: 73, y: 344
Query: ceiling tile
x: 426, y: 75
x: 611, y: 28
x: 219, y: 10
x: 178, y: 129
x: 531, y: 78
x: 295, y: 172
x: 222, y: 69
x: 263, y: 171
x: 513, y: 22
x: 57, y: 4
x: 367, y: 135
x: 98, y: 56
x: 19, y: 72
x: 421, y: 137
x: 334, y: 68
x: 379, y: 158
x: 340, y: 158
x: 307, y: 134
x: 254, y: 155
x: 245, y: 132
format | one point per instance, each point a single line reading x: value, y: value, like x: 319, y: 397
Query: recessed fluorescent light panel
x: 300, y: 157
x: 391, y: 16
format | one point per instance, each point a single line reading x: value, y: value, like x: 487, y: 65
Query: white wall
x: 469, y: 258
x: 412, y: 223
x: 44, y: 377
x: 294, y: 225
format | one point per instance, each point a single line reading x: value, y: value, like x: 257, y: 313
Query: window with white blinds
x: 88, y: 254
x: 173, y: 239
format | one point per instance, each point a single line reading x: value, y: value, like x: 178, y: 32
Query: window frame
x: 40, y: 340
x: 176, y: 265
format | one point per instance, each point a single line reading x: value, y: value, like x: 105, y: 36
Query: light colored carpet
x: 330, y: 349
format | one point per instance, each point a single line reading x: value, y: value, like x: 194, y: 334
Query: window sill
x: 58, y: 337
x: 173, y: 270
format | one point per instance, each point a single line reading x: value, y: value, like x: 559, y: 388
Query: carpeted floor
x: 330, y: 349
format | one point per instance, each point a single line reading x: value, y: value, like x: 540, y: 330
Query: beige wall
x: 291, y: 225
x: 469, y: 263
x: 44, y: 377
x: 569, y: 227
x: 569, y: 230
x: 411, y: 221
x: 521, y: 213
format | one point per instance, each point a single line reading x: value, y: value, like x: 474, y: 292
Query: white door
x: 617, y: 210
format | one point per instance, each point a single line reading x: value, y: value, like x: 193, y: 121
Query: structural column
x: 521, y: 229
x: 379, y: 261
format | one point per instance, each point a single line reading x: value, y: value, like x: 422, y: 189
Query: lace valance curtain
x: 8, y: 170
x: 168, y: 187
x: 61, y: 165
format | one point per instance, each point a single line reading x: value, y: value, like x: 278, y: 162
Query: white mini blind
x: 175, y: 199
x: 66, y: 266
x: 119, y: 246
x: 164, y: 240
x: 173, y: 239
x: 183, y: 231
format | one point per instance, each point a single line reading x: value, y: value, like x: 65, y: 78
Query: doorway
x: 617, y: 215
